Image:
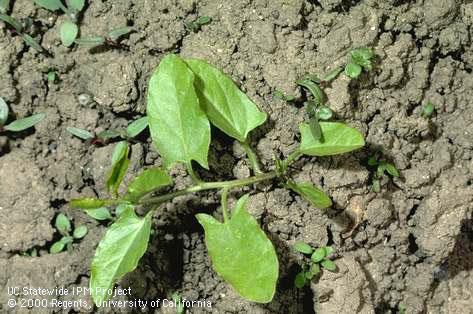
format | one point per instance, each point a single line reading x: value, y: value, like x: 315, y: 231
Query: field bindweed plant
x: 186, y: 97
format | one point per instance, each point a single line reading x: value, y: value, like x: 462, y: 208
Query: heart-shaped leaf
x: 242, y: 254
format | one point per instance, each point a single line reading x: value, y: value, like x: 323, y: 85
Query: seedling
x: 68, y: 30
x: 197, y: 24
x: 186, y: 96
x: 280, y: 95
x: 359, y: 59
x: 111, y: 39
x: 382, y: 167
x: 176, y: 298
x: 428, y: 110
x: 104, y: 137
x: 319, y: 259
x: 64, y: 227
x: 19, y: 28
x: 17, y: 125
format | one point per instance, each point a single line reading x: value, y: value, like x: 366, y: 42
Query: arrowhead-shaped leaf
x: 118, y: 252
x: 179, y: 127
x: 337, y: 138
x: 310, y: 193
x: 148, y: 181
x: 227, y: 107
x: 242, y: 254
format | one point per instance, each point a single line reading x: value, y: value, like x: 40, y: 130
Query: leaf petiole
x: 252, y: 157
x: 225, y: 204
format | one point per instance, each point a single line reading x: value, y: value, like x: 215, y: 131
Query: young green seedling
x: 176, y: 298
x: 64, y: 227
x: 359, y: 59
x: 17, y: 125
x: 382, y: 167
x: 186, y: 97
x: 197, y: 24
x: 428, y: 110
x: 111, y: 39
x: 68, y: 30
x: 280, y: 95
x: 18, y: 28
x: 104, y: 137
x: 319, y: 259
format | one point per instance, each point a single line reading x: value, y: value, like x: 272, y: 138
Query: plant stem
x: 291, y: 158
x: 225, y: 204
x: 253, y: 158
x: 193, y: 175
x: 202, y: 186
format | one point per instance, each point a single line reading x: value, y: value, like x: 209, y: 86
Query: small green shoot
x: 68, y: 33
x: 382, y: 167
x: 197, y: 24
x: 111, y: 39
x: 359, y: 59
x: 19, y: 28
x: 280, y: 95
x: 17, y: 125
x: 319, y: 258
x: 428, y: 110
x: 52, y: 76
x: 176, y: 298
x: 64, y: 227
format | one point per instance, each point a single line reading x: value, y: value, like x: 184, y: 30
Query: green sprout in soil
x: 428, y: 110
x: 186, y: 97
x: 359, y: 59
x: 382, y: 168
x: 280, y: 95
x: 68, y: 30
x: 104, y: 137
x: 17, y: 125
x: 64, y: 227
x: 111, y: 39
x: 197, y: 24
x: 176, y: 299
x: 319, y: 259
x: 19, y: 28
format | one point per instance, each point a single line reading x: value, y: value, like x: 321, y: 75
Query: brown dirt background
x: 414, y: 245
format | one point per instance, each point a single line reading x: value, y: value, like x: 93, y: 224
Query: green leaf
x: 116, y: 33
x: 4, y: 6
x: 52, y: 77
x: 310, y: 193
x: 314, y: 269
x: 227, y: 107
x: 67, y: 240
x: 119, y: 252
x: 80, y: 133
x: 314, y: 89
x: 25, y: 123
x: 57, y: 247
x: 353, y: 70
x: 62, y: 224
x: 392, y: 170
x: 179, y: 127
x: 428, y: 110
x: 86, y: 203
x: 3, y: 112
x: 328, y: 250
x: 121, y: 208
x: 338, y: 139
x: 30, y: 41
x: 308, y: 275
x: 101, y: 213
x: 77, y: 5
x: 300, y: 280
x: 68, y: 33
x: 148, y: 181
x: 362, y: 57
x: 324, y: 113
x: 79, y: 232
x: 12, y: 21
x: 108, y: 135
x: 48, y: 4
x: 329, y: 265
x: 318, y: 255
x: 242, y: 254
x: 372, y: 161
x: 376, y: 185
x: 330, y: 76
x: 137, y: 126
x: 90, y: 42
x: 302, y: 247
x: 119, y: 167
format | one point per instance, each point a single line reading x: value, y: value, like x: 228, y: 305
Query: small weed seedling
x: 19, y: 28
x: 68, y: 30
x: 428, y: 110
x: 197, y: 24
x: 359, y: 59
x: 382, y: 167
x: 104, y: 137
x: 319, y: 258
x: 186, y: 96
x: 280, y: 95
x: 176, y: 299
x: 17, y: 125
x: 111, y: 39
x: 64, y: 227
